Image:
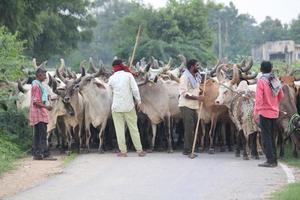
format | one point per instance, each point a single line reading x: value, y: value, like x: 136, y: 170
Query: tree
x: 50, y: 27
x: 295, y: 30
x: 11, y: 55
x: 272, y: 30
x: 181, y: 27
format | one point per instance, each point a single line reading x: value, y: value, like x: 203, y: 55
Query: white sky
x: 284, y: 10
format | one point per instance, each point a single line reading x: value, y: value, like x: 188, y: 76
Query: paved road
x: 159, y: 176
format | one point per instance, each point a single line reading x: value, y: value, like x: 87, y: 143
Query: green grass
x: 289, y: 192
x: 289, y: 158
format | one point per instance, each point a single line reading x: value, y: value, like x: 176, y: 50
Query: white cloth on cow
x: 185, y: 88
x: 124, y: 88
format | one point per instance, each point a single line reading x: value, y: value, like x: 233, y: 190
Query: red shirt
x: 266, y: 104
x: 37, y: 114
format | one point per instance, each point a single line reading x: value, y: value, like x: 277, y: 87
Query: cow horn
x: 183, y: 60
x: 52, y: 83
x: 62, y: 64
x: 249, y: 76
x: 147, y: 67
x: 220, y: 75
x: 213, y: 71
x: 34, y: 63
x: 60, y: 76
x: 92, y: 67
x: 70, y: 74
x: 248, y: 66
x: 235, y: 76
x: 20, y: 87
x: 243, y: 63
x: 100, y: 72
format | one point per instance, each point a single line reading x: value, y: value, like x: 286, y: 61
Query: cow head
x: 227, y: 87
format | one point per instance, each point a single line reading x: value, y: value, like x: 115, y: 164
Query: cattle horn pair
x: 246, y: 67
x: 35, y: 65
x: 249, y: 76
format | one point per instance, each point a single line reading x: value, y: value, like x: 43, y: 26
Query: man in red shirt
x: 266, y: 110
x: 38, y: 116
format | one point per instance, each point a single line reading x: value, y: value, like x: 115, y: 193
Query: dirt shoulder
x: 29, y: 173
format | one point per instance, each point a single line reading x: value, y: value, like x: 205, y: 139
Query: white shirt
x: 124, y: 88
x: 185, y: 88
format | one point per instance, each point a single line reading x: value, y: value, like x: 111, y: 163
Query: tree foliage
x: 11, y: 55
x: 50, y: 27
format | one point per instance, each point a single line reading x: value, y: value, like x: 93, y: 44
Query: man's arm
x: 258, y: 96
x: 183, y: 90
x: 36, y: 100
x: 135, y: 89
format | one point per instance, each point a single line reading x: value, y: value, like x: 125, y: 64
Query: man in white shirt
x: 124, y: 88
x: 189, y: 99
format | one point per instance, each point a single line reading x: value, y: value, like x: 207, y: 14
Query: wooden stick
x: 135, y: 46
x: 198, y: 121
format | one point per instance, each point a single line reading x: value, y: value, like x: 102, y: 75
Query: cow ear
x: 99, y: 85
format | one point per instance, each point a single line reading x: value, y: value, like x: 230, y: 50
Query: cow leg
x: 101, y: 138
x: 245, y: 146
x: 223, y: 137
x: 212, y: 134
x: 69, y: 139
x: 253, y: 145
x: 202, y: 139
x: 238, y: 143
x: 154, y: 130
x: 168, y: 134
x: 87, y: 137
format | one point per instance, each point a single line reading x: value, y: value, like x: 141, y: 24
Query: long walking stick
x: 135, y: 46
x: 192, y: 155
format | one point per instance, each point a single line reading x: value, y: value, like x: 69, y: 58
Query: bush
x: 14, y: 127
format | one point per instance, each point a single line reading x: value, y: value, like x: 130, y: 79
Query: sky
x: 284, y: 10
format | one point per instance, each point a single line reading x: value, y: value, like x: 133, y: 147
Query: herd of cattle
x: 81, y: 103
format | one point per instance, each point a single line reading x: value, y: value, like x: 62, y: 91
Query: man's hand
x: 49, y: 108
x: 201, y: 98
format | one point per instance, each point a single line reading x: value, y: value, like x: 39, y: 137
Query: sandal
x: 142, y: 154
x: 122, y: 154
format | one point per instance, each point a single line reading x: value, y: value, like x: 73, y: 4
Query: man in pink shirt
x: 266, y: 110
x: 38, y: 116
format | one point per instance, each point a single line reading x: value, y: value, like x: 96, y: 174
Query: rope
x: 291, y: 125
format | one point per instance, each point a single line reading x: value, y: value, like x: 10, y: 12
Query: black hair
x: 117, y: 62
x: 40, y: 70
x: 191, y: 63
x: 266, y: 67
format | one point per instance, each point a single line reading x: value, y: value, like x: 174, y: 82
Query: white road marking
x: 289, y: 173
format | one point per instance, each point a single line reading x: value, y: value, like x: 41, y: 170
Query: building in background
x: 286, y: 50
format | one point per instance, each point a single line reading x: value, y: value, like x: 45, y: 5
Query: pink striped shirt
x: 266, y: 104
x: 37, y: 114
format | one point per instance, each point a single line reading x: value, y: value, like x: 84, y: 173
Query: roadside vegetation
x: 291, y: 191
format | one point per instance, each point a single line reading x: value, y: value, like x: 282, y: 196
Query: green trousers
x: 131, y: 120
x: 189, y: 117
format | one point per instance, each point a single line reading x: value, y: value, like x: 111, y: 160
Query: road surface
x: 159, y: 176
